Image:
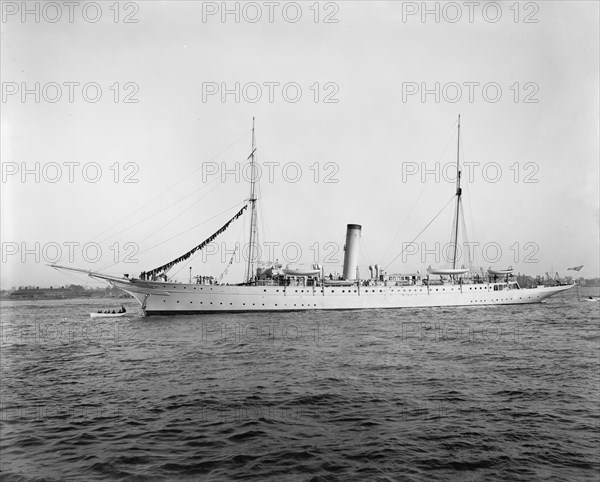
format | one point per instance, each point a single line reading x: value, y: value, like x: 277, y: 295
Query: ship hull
x: 163, y: 298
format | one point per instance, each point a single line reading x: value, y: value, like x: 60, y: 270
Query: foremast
x: 251, y: 266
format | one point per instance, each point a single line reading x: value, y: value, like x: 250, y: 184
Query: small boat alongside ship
x: 275, y: 288
x: 108, y: 315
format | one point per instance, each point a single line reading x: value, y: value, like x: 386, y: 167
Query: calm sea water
x: 480, y: 393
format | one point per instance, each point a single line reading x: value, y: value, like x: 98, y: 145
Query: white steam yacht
x: 277, y: 289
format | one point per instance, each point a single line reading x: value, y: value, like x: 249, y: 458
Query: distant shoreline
x: 124, y: 296
x: 72, y: 292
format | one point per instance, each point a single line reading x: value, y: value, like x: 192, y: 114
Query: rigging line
x: 470, y: 236
x: 453, y: 229
x: 466, y: 255
x: 290, y: 199
x: 363, y: 246
x: 456, y: 219
x: 237, y: 238
x: 152, y: 215
x: 326, y: 224
x: 167, y: 207
x: 237, y: 246
x: 164, y: 225
x: 187, y: 262
x: 466, y: 188
x: 190, y: 229
x: 264, y: 220
x: 226, y: 271
x: 262, y: 217
x: 446, y: 259
x: 176, y: 272
x: 167, y: 190
x: 450, y: 139
x: 167, y: 267
x: 266, y: 233
x: 466, y: 184
x: 180, y: 214
x: 417, y: 236
x: 87, y: 281
x: 149, y: 217
x: 404, y: 222
x: 460, y: 235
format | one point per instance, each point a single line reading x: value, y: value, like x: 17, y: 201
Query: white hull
x: 158, y: 298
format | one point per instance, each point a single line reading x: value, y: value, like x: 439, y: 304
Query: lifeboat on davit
x: 301, y: 272
x: 447, y: 271
x: 508, y: 270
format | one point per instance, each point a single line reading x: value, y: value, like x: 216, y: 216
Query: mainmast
x: 458, y: 194
x: 253, y: 234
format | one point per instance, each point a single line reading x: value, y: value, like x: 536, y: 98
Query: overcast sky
x: 362, y: 97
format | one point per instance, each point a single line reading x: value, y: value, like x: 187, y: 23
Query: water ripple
x: 504, y: 393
